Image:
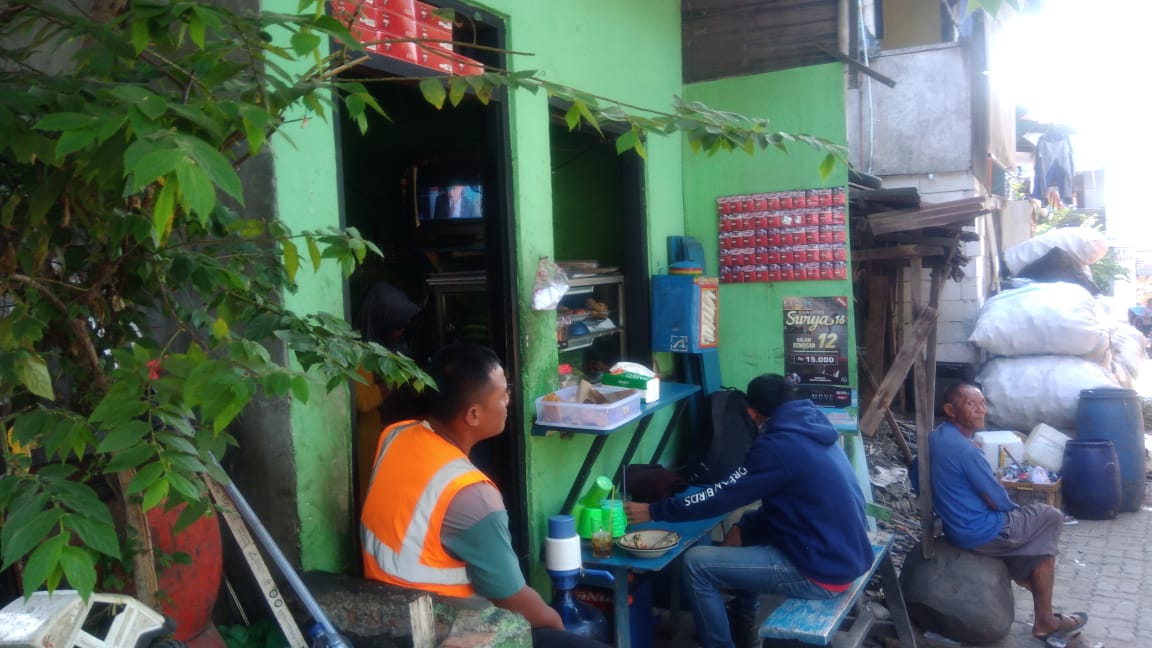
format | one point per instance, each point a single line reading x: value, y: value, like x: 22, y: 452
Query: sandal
x: 1078, y: 619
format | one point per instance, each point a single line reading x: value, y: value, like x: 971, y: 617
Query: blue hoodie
x: 811, y: 507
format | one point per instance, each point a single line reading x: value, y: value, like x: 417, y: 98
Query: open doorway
x: 431, y: 189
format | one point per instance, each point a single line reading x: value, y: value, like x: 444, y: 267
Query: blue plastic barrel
x: 1091, y: 485
x: 1114, y: 414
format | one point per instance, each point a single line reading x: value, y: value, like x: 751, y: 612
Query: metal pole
x: 286, y: 569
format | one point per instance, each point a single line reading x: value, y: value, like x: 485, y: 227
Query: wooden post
x: 914, y: 341
x: 423, y: 622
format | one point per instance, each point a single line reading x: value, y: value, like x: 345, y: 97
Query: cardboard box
x: 435, y: 58
x: 464, y: 66
x: 396, y: 25
x: 434, y: 33
x: 400, y: 51
x: 424, y: 14
x: 649, y: 386
x: 356, y: 14
x: 405, y: 8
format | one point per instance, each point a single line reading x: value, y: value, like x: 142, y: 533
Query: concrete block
x: 376, y: 615
x: 958, y: 594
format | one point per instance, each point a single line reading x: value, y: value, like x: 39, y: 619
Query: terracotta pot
x: 188, y: 592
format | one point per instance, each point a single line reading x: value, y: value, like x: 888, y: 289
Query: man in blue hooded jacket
x: 809, y: 537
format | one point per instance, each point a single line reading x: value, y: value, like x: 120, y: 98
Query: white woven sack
x: 1085, y: 244
x: 1038, y: 319
x: 1128, y: 349
x: 1025, y: 391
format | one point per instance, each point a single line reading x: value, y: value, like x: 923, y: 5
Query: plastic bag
x: 550, y: 286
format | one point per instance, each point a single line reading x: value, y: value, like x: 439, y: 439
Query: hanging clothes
x: 1054, y: 168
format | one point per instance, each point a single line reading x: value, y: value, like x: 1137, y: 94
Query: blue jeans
x: 747, y: 572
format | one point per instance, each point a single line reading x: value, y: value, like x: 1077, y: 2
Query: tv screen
x: 448, y: 190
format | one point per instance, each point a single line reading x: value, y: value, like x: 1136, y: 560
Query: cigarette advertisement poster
x: 815, y: 348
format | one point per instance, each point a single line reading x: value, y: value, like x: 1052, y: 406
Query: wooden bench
x: 818, y: 622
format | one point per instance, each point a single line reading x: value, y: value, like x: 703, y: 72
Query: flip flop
x: 1057, y: 640
x: 1079, y: 620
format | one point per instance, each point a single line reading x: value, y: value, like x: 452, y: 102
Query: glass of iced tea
x: 602, y: 543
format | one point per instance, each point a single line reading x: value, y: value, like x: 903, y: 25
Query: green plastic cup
x: 590, y: 522
x: 615, y: 509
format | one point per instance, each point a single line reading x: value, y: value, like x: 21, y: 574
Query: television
x: 448, y: 189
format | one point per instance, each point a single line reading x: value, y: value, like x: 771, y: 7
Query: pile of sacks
x: 1049, y: 341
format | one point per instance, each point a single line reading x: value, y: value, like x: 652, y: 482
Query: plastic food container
x: 593, y: 417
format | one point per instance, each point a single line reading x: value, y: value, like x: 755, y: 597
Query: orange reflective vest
x: 416, y: 475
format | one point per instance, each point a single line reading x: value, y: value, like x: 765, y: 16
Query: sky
x: 1078, y: 62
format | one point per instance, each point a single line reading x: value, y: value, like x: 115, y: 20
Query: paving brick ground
x: 1105, y: 569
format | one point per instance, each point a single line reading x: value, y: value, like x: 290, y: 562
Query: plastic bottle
x: 567, y: 378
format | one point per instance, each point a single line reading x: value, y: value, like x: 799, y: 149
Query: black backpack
x: 722, y: 437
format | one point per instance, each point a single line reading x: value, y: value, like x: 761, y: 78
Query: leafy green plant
x: 139, y: 298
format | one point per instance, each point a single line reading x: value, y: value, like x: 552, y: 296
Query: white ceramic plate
x: 651, y: 543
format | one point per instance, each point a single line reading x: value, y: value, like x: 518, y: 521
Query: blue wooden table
x: 621, y: 562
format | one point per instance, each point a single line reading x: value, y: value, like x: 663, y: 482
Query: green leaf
x: 197, y: 29
x: 75, y: 140
x: 433, y: 91
x: 156, y: 493
x: 145, y: 477
x: 184, y: 486
x: 588, y: 117
x: 114, y: 411
x: 291, y: 259
x: 124, y: 435
x: 214, y: 163
x: 27, y: 536
x: 196, y: 191
x: 303, y: 43
x: 43, y: 562
x: 827, y: 166
x: 457, y: 88
x: 95, y: 535
x: 79, y: 568
x: 32, y: 371
x: 572, y: 117
x: 163, y: 213
x: 277, y: 384
x: 65, y: 121
x: 627, y: 141
x: 131, y: 458
x: 176, y: 442
x: 256, y: 120
x: 300, y: 388
x: 313, y: 252
x: 220, y: 329
x: 140, y: 35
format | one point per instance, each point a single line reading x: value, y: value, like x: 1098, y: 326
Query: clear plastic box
x: 592, y: 417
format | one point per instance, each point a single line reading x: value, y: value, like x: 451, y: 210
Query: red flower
x: 153, y: 369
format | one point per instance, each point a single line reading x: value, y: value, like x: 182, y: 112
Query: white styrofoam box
x: 1045, y: 447
x: 993, y: 440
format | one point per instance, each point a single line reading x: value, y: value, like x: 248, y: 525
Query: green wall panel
x: 306, y: 198
x: 630, y: 53
x: 809, y: 100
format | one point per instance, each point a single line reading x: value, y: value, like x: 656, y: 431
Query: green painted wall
x: 306, y: 198
x: 809, y: 100
x: 630, y: 52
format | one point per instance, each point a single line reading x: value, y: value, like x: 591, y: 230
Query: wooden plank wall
x: 723, y: 38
